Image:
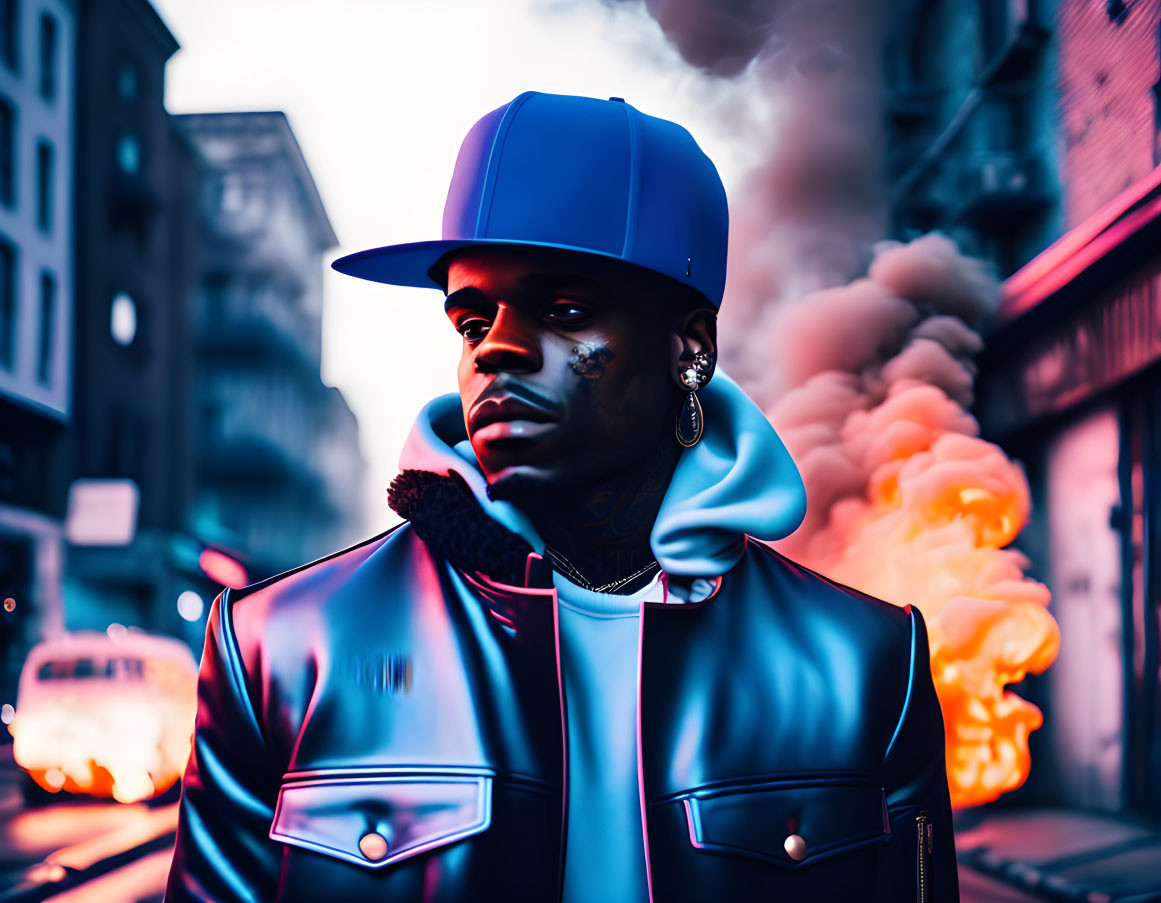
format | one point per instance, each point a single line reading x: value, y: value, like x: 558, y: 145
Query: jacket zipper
x: 924, y: 830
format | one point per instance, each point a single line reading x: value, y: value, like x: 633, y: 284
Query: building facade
x: 280, y: 472
x: 128, y: 460
x: 164, y: 429
x: 1029, y: 131
x: 37, y: 104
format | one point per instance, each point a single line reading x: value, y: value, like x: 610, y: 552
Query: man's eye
x: 473, y: 329
x: 567, y: 312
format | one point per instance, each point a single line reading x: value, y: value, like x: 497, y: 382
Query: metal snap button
x: 795, y: 847
x: 373, y: 846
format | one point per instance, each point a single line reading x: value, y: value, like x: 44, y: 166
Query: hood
x: 738, y: 480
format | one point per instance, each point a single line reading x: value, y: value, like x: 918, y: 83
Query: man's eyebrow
x: 532, y: 283
x: 468, y: 296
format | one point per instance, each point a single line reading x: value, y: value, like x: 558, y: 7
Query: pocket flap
x: 756, y: 820
x: 410, y: 814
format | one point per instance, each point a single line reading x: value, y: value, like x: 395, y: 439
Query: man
x: 573, y: 672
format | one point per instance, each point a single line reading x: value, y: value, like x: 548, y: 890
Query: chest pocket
x: 791, y: 825
x: 374, y: 820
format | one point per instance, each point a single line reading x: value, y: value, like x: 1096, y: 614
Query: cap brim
x: 411, y: 264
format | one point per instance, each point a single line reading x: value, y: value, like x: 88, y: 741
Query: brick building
x: 1029, y: 131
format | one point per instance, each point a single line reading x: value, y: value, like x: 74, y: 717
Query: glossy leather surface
x: 383, y: 691
x: 407, y: 812
x: 836, y: 816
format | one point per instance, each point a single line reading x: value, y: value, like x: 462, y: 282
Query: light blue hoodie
x: 738, y: 480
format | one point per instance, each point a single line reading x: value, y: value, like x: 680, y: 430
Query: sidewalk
x: 977, y: 888
x: 1063, y: 855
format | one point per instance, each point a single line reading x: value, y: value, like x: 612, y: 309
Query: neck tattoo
x: 599, y: 537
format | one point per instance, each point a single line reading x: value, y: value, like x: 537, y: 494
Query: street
x: 80, y: 850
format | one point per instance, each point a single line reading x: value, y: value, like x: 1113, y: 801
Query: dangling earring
x: 690, y: 421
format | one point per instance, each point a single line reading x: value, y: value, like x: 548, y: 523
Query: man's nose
x: 512, y: 343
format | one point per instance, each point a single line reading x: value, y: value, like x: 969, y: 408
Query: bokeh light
x: 190, y: 605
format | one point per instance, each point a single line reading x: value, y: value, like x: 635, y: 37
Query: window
x: 127, y: 82
x: 10, y: 33
x: 128, y: 153
x: 47, y: 328
x: 7, y: 305
x: 44, y: 179
x: 48, y: 44
x: 7, y: 153
x: 233, y: 192
x: 123, y: 319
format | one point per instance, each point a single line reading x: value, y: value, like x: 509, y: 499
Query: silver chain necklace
x: 563, y: 565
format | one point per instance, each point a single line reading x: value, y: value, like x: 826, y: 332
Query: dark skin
x: 570, y: 379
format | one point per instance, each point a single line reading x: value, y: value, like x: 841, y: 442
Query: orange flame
x: 907, y: 503
x: 939, y: 508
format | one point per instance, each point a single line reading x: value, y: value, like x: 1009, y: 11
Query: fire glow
x: 106, y: 715
x: 907, y: 503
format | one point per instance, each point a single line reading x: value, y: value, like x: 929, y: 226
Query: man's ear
x: 694, y: 332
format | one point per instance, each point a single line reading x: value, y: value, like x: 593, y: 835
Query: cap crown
x: 592, y: 175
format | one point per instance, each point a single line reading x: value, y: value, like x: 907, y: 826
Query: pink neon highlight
x: 507, y: 622
x: 488, y: 586
x: 689, y: 825
x: 1082, y: 246
x: 222, y: 569
x: 563, y: 726
x: 640, y: 757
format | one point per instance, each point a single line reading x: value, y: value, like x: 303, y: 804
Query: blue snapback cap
x: 580, y: 174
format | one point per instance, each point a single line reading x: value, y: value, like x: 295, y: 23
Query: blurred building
x: 163, y: 426
x: 37, y: 77
x: 1029, y: 131
x: 971, y: 110
x: 127, y: 481
x: 280, y: 473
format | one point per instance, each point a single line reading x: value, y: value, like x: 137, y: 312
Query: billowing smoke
x: 860, y: 352
x: 904, y: 499
x: 839, y: 355
x: 807, y: 100
x: 867, y: 371
x: 721, y: 38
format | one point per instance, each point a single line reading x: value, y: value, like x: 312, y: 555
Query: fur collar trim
x: 446, y: 515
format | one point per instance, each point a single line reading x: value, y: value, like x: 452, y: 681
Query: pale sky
x: 380, y: 93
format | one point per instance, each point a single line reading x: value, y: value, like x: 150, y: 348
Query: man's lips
x: 501, y: 430
x: 508, y: 410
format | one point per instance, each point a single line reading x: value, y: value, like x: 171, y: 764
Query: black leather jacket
x: 384, y: 725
